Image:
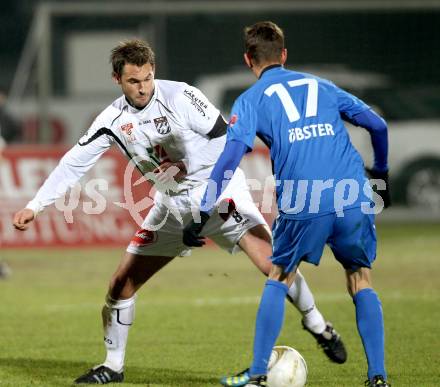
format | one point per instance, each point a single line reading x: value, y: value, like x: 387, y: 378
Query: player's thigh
x: 283, y: 274
x: 233, y: 218
x: 160, y: 234
x: 257, y: 244
x: 353, y: 241
x: 133, y: 271
x: 295, y: 240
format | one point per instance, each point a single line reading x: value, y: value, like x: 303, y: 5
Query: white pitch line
x: 245, y: 300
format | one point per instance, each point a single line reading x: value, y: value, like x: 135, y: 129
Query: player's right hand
x: 170, y: 171
x: 383, y: 193
x: 23, y: 218
x: 191, y: 232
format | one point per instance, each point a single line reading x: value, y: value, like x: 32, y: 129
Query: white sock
x: 117, y: 318
x: 302, y: 298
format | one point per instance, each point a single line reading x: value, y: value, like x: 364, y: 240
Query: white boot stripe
x: 97, y: 379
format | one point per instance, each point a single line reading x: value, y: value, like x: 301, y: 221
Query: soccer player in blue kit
x: 323, y: 195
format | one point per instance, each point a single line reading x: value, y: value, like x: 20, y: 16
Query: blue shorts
x: 352, y: 239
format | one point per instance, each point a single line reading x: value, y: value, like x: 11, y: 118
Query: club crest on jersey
x: 127, y: 131
x: 162, y: 125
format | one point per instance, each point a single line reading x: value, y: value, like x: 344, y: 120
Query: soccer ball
x: 287, y: 368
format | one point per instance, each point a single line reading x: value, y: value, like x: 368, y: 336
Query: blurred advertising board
x: 88, y: 216
x: 104, y: 209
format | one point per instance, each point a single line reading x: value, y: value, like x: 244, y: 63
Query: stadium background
x: 56, y: 77
x: 56, y: 73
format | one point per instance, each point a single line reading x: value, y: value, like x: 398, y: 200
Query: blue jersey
x: 299, y: 117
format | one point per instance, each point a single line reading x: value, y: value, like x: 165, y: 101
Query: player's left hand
x: 383, y: 193
x: 191, y: 232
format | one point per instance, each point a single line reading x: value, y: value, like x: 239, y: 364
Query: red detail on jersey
x: 161, y: 153
x: 226, y: 208
x: 143, y: 238
x: 127, y: 128
x: 233, y: 120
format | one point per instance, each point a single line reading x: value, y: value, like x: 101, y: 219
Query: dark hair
x: 264, y: 42
x: 134, y: 51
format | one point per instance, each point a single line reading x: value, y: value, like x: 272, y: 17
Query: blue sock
x: 270, y: 318
x: 369, y: 321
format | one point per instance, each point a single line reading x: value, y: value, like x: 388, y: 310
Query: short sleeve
x: 242, y: 125
x: 348, y: 104
x: 199, y: 114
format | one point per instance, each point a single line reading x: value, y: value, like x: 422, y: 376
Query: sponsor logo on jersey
x: 199, y: 104
x: 310, y: 131
x: 162, y: 125
x: 143, y: 238
x: 127, y: 131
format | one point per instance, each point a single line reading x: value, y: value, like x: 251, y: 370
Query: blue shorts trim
x: 351, y: 237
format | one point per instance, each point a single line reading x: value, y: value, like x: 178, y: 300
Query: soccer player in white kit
x: 167, y: 129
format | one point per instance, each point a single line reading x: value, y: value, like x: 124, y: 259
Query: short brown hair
x: 264, y: 42
x: 134, y: 51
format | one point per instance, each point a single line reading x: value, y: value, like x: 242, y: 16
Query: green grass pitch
x: 195, y: 320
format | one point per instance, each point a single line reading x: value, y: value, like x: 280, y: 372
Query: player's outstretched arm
x: 23, y: 218
x: 62, y: 177
x: 72, y: 166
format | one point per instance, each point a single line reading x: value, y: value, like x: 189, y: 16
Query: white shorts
x: 161, y: 232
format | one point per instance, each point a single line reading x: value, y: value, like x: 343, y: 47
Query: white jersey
x: 173, y: 126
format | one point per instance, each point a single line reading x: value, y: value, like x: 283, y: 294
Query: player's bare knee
x: 357, y: 280
x: 277, y: 273
x: 256, y: 243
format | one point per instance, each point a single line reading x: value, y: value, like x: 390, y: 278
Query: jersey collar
x: 270, y: 67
